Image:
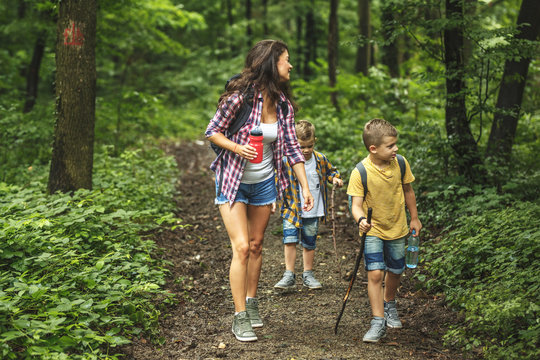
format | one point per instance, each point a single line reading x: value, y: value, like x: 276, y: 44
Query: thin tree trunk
x: 503, y: 128
x: 457, y: 125
x: 311, y: 41
x: 32, y: 74
x: 299, y: 48
x: 363, y: 53
x: 73, y: 147
x: 333, y: 40
x: 390, y: 51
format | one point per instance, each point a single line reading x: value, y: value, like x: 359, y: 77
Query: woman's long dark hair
x: 260, y: 70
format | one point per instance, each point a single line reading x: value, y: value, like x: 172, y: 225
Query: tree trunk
x: 503, y: 128
x: 457, y: 125
x: 32, y: 73
x: 73, y: 147
x: 390, y: 51
x: 363, y: 53
x: 333, y: 40
x: 311, y: 41
x: 299, y: 47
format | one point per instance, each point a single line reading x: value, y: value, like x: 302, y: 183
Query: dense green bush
x: 76, y: 274
x: 488, y: 267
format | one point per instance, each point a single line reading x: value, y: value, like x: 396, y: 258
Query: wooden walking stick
x: 356, y: 266
x: 334, y: 229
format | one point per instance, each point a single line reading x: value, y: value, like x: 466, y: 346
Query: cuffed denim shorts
x: 259, y: 194
x: 385, y: 254
x: 307, y: 233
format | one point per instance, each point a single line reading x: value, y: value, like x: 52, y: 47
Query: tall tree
x: 333, y: 40
x: 503, y: 128
x: 73, y: 147
x: 457, y: 124
x: 310, y: 54
x: 363, y: 53
x: 32, y: 72
x: 390, y: 50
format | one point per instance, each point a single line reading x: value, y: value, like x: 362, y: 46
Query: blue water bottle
x: 411, y: 259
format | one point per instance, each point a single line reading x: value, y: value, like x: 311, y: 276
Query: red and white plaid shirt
x: 286, y: 143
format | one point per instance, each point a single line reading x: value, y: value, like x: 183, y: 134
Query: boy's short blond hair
x: 375, y: 130
x: 305, y: 130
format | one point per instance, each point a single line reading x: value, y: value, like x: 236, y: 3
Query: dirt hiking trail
x: 298, y: 324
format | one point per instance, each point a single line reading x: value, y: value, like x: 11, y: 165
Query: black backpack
x: 363, y: 176
x: 243, y: 113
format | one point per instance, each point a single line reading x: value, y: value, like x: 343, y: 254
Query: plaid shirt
x: 290, y: 209
x: 229, y: 167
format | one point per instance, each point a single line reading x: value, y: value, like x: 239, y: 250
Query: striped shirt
x: 290, y: 209
x: 229, y: 167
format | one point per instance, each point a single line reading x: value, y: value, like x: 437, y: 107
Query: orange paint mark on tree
x: 73, y: 35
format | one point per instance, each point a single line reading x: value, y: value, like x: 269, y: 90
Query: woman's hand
x: 308, y: 199
x: 248, y: 152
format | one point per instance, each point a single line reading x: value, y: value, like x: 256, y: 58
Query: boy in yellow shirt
x: 388, y: 193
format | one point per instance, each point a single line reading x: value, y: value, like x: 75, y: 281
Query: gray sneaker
x: 309, y: 280
x: 391, y: 315
x: 377, y: 330
x: 287, y: 281
x: 241, y: 327
x: 252, y: 309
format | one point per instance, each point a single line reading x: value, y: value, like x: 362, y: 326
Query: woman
x: 246, y: 192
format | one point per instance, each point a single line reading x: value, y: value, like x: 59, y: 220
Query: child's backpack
x: 243, y: 113
x: 363, y: 176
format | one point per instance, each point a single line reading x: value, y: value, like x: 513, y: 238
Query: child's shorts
x: 385, y: 254
x: 307, y: 233
x: 259, y: 194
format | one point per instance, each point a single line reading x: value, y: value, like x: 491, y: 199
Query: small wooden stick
x: 332, y: 205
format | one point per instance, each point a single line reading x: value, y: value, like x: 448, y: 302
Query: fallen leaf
x: 222, y: 345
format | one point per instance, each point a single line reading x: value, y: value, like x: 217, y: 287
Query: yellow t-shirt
x: 385, y: 196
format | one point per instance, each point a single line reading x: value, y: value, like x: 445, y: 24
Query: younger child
x: 384, y: 249
x: 301, y: 225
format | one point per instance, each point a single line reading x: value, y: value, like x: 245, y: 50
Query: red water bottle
x: 255, y: 140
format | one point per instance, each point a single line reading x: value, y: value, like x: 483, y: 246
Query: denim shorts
x: 385, y: 254
x: 307, y: 233
x: 259, y: 194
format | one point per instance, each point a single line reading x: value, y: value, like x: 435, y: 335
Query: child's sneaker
x: 391, y: 315
x: 287, y: 281
x: 241, y: 327
x: 252, y: 309
x: 377, y: 330
x: 309, y: 280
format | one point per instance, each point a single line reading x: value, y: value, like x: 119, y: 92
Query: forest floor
x: 298, y: 324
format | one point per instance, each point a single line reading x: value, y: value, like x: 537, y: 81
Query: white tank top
x: 255, y: 173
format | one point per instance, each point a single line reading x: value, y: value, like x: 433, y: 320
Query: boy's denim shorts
x: 385, y: 254
x: 307, y: 233
x: 259, y: 194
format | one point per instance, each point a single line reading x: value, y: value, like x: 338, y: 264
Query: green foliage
x: 77, y: 278
x: 488, y: 267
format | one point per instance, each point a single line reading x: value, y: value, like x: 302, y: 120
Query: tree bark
x: 390, y: 50
x: 32, y: 73
x: 333, y: 40
x: 363, y: 53
x: 311, y: 41
x: 503, y: 128
x: 457, y: 125
x: 299, y: 47
x: 73, y: 147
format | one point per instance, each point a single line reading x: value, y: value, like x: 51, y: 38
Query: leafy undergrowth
x: 488, y: 267
x: 76, y: 275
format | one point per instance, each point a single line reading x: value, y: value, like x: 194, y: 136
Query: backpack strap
x: 363, y: 177
x: 402, y: 167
